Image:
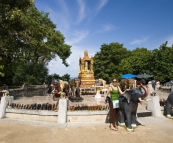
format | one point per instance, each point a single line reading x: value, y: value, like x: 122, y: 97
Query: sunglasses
x: 114, y: 81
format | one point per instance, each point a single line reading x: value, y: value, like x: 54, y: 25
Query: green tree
x: 66, y: 77
x: 162, y: 63
x: 28, y: 35
x: 137, y: 62
x: 106, y: 61
x: 25, y: 74
x: 1, y: 67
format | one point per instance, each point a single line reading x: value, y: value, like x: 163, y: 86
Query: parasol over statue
x: 128, y: 76
x: 144, y: 75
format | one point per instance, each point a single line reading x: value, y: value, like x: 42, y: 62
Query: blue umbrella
x: 128, y: 76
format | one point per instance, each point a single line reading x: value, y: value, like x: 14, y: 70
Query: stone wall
x: 60, y: 116
x: 31, y: 117
x: 37, y: 115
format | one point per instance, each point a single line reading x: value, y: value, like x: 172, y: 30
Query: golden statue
x: 86, y: 74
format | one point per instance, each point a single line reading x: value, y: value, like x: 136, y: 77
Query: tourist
x: 114, y: 92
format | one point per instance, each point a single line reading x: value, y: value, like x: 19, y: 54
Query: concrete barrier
x: 61, y: 116
x: 4, y: 101
x: 32, y: 117
x: 62, y: 111
x: 154, y: 106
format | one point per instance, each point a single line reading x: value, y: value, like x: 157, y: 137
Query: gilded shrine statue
x: 86, y: 74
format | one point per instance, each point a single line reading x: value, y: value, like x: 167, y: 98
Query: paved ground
x: 151, y: 130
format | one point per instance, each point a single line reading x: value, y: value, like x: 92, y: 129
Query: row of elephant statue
x: 86, y: 107
x: 34, y: 106
x: 59, y: 88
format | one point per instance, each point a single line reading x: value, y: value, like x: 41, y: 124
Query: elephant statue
x: 100, y: 82
x: 127, y: 84
x: 153, y: 87
x: 169, y: 105
x: 5, y: 92
x: 60, y: 89
x: 75, y: 90
x: 74, y: 85
x: 128, y: 104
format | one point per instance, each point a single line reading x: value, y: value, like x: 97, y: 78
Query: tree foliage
x: 137, y: 62
x: 1, y: 67
x: 24, y: 74
x: 28, y: 36
x: 162, y: 63
x: 113, y: 60
x: 65, y: 77
x: 106, y: 61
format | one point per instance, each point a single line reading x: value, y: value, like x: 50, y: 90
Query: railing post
x: 154, y: 106
x: 62, y: 111
x: 3, y: 105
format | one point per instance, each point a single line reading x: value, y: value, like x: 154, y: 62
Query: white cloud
x: 101, y: 4
x: 60, y: 16
x: 106, y: 28
x: 64, y: 7
x: 170, y: 41
x: 139, y: 41
x: 82, y: 13
x: 92, y: 12
x: 77, y: 37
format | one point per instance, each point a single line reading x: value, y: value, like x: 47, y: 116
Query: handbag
x: 108, y: 99
x: 115, y: 104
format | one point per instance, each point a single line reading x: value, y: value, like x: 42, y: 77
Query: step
x: 143, y: 113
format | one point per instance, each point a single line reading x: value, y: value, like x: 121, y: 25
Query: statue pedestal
x: 76, y: 99
x: 98, y: 101
x: 98, y: 88
x: 154, y: 106
x: 98, y: 96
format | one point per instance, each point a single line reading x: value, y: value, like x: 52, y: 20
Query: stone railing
x: 9, y: 109
x: 66, y: 113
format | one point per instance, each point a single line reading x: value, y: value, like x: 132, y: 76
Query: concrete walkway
x: 150, y: 129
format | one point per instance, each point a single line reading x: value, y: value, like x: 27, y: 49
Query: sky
x: 87, y: 24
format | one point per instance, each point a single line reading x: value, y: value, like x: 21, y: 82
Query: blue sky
x: 87, y: 24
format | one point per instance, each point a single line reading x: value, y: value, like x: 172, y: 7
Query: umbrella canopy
x: 144, y: 75
x: 128, y: 76
x: 170, y: 83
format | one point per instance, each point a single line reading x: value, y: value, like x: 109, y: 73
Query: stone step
x: 144, y: 113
